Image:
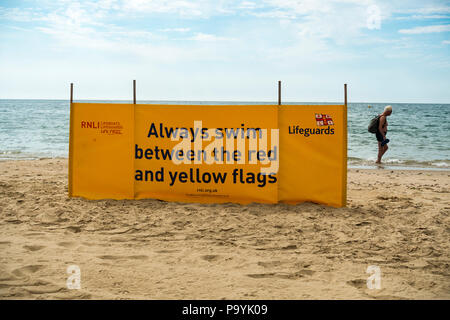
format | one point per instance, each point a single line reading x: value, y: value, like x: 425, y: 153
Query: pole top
x: 345, y: 93
x: 71, y: 92
x: 279, y: 92
x: 134, y: 91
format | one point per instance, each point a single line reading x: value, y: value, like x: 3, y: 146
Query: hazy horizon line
x: 234, y: 101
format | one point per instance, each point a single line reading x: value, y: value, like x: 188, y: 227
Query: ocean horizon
x: 419, y: 132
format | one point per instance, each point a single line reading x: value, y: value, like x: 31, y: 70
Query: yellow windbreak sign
x: 205, y: 153
x: 100, y: 159
x: 231, y: 173
x: 313, y: 142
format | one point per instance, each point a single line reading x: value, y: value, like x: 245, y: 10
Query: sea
x: 419, y: 133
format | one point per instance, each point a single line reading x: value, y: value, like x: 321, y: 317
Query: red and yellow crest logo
x: 324, y: 120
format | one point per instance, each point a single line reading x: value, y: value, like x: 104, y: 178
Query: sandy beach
x: 150, y: 249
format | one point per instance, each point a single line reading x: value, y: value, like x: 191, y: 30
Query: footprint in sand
x: 166, y: 251
x: 44, y: 289
x: 358, y: 283
x: 210, y: 257
x: 282, y: 275
x: 289, y: 247
x: 134, y: 257
x: 67, y: 244
x: 180, y: 224
x: 24, y: 271
x: 6, y: 276
x: 138, y: 257
x: 269, y: 264
x: 33, y: 248
x: 35, y: 234
x: 74, y: 229
x: 295, y: 275
x: 261, y: 275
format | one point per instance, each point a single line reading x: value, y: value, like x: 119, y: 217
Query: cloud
x: 305, y: 28
x: 175, y: 30
x: 311, y: 18
x: 247, y: 5
x: 208, y: 37
x: 426, y: 29
x: 446, y: 42
x: 423, y: 17
x: 430, y: 9
x: 339, y: 21
x: 278, y: 14
x: 19, y: 14
x: 181, y: 7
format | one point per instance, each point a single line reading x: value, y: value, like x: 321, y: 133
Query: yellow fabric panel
x: 223, y: 116
x: 101, y: 159
x: 312, y: 168
x: 105, y: 139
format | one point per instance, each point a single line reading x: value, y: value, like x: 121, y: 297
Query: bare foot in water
x: 378, y: 162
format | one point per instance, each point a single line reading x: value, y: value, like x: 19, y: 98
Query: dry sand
x: 149, y: 249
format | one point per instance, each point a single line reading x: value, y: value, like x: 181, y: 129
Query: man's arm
x: 380, y: 126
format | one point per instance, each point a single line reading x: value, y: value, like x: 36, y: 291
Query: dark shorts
x: 379, y: 136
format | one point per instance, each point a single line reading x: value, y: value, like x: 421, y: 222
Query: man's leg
x: 385, y: 148
x: 380, y: 152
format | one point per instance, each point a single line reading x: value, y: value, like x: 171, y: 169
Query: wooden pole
x: 71, y: 93
x: 345, y: 93
x: 279, y: 93
x: 134, y: 91
x: 70, y: 189
x: 345, y: 146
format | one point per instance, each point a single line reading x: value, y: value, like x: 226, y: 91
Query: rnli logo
x: 323, y: 120
x: 105, y: 127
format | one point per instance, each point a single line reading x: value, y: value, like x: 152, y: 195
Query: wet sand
x: 150, y: 249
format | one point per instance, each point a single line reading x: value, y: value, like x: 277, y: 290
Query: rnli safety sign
x: 209, y: 153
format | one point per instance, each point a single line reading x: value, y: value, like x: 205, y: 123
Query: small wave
x: 353, y: 161
x: 7, y: 152
x: 440, y: 164
x: 395, y: 161
x: 23, y: 155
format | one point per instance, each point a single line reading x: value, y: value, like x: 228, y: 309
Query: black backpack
x: 373, y: 125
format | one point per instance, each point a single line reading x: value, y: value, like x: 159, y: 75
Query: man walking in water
x: 381, y: 132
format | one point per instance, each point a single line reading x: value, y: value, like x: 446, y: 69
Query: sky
x: 220, y: 50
